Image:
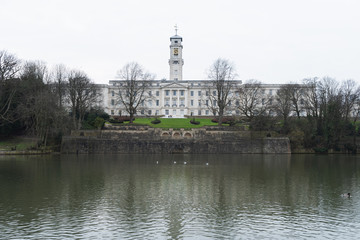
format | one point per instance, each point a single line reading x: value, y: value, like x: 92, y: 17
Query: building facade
x: 175, y: 97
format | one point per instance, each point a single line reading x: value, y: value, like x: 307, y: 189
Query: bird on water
x: 346, y: 195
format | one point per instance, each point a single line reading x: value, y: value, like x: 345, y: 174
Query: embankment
x: 150, y: 140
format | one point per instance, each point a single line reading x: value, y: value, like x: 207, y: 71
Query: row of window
x: 199, y: 93
x: 182, y: 102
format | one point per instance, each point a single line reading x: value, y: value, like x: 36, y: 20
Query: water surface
x: 161, y: 197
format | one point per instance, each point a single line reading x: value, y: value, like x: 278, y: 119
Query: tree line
x: 319, y: 112
x: 37, y: 100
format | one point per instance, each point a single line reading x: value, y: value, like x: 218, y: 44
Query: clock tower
x: 176, y: 62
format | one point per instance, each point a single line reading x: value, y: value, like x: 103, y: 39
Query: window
x: 199, y: 93
x: 112, y: 112
x: 182, y: 102
x: 157, y: 93
x: 214, y: 93
x: 157, y: 112
x: 174, y: 102
x: 174, y: 111
x: 237, y: 93
x: 167, y: 102
x: 237, y: 112
x: 199, y: 103
x: 207, y: 93
x: 175, y: 62
x: 157, y: 102
x: 192, y: 93
x: 112, y: 102
x: 119, y: 112
x: 176, y: 79
x: 207, y: 102
x: 207, y: 112
x: 263, y: 101
x: 199, y: 112
x: 176, y: 41
x: 174, y: 92
x: 167, y: 112
x: 182, y: 92
x: 191, y: 102
x: 150, y: 103
x: 112, y: 93
x: 302, y: 102
x: 270, y: 101
x: 149, y: 112
x: 167, y: 92
x: 150, y: 93
x: 237, y: 103
x: 270, y: 92
x: 142, y: 112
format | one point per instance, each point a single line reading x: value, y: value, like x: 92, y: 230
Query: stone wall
x: 151, y: 140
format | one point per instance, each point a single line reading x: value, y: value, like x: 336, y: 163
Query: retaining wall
x: 150, y: 140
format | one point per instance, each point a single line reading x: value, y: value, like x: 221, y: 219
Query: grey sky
x: 274, y: 41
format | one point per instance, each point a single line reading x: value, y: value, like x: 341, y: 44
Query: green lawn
x: 19, y: 143
x: 175, y: 122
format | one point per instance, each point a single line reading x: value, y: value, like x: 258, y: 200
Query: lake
x: 179, y: 197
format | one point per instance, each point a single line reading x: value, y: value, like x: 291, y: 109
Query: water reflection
x: 151, y: 197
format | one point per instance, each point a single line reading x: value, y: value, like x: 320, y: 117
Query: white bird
x: 185, y: 163
x: 157, y: 162
x: 346, y: 195
x: 207, y: 164
x: 174, y: 162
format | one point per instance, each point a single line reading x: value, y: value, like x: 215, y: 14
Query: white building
x: 175, y: 97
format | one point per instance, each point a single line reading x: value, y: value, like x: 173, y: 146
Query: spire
x: 176, y: 29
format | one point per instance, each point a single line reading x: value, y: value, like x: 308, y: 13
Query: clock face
x: 176, y: 51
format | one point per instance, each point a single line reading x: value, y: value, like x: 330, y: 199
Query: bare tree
x: 221, y: 75
x: 9, y: 68
x: 83, y: 94
x: 284, y: 105
x: 351, y: 95
x: 296, y: 92
x: 35, y: 107
x: 311, y: 97
x: 60, y: 76
x: 132, y: 95
x: 250, y: 99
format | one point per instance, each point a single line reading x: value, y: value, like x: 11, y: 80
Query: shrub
x: 122, y: 118
x: 156, y: 121
x: 226, y: 120
x: 99, y: 123
x: 194, y: 122
x: 111, y: 120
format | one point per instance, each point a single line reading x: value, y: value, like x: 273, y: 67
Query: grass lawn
x: 175, y: 122
x: 20, y: 144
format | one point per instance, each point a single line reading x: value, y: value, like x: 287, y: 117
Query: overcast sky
x: 274, y: 41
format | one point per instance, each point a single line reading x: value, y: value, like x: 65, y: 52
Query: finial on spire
x: 176, y: 29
